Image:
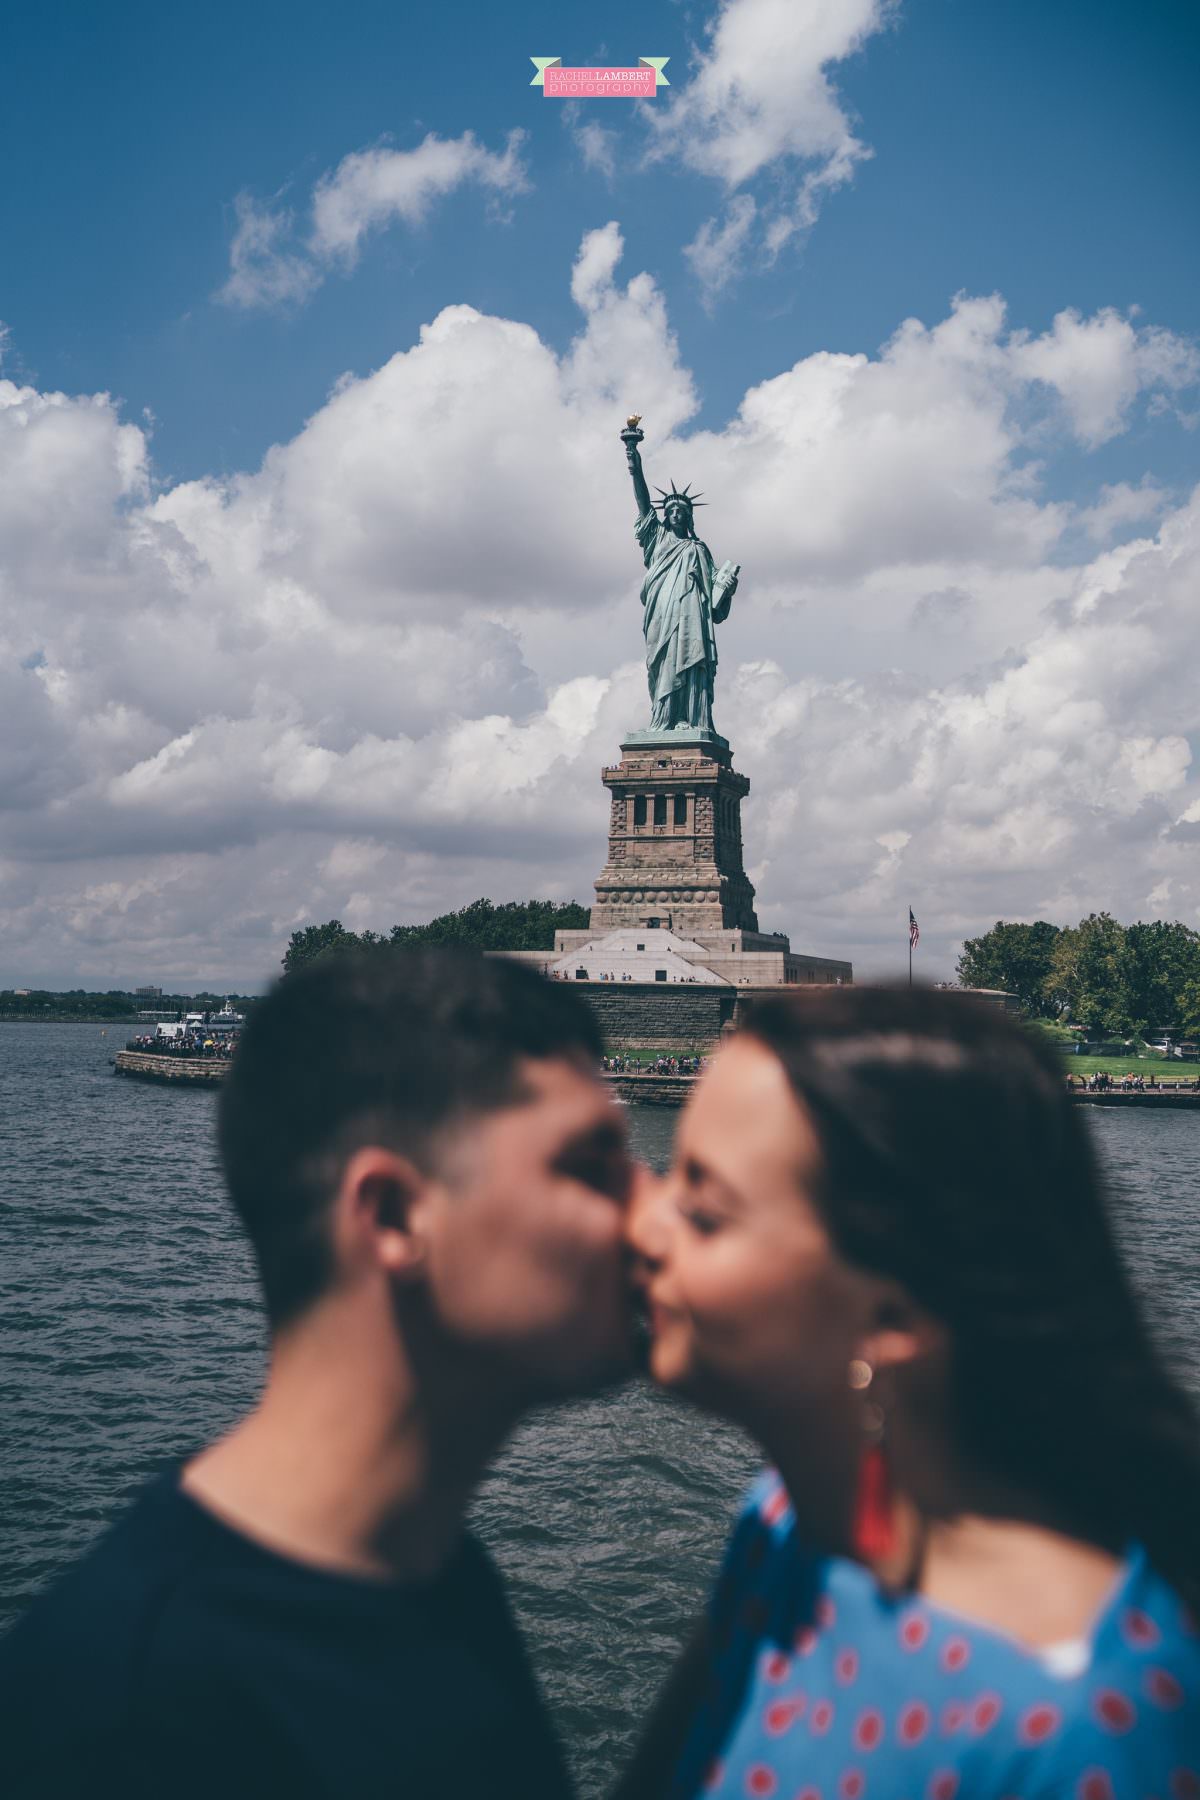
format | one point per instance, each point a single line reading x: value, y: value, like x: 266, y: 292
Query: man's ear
x: 900, y: 1331
x: 380, y: 1217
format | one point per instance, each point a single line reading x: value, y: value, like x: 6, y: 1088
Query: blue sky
x: 1046, y: 152
x: 317, y: 586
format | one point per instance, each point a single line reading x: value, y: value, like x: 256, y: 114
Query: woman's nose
x: 647, y: 1224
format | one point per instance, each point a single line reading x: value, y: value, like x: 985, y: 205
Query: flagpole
x: 910, y: 947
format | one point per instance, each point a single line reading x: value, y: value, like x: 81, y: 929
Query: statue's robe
x: 681, y: 646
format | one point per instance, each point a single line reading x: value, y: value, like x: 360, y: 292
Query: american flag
x: 914, y: 931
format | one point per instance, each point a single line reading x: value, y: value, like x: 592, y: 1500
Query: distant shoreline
x: 650, y: 1089
x: 62, y: 1019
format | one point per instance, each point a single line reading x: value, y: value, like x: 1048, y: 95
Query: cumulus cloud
x: 379, y: 674
x: 762, y: 99
x: 274, y: 263
x: 1099, y: 366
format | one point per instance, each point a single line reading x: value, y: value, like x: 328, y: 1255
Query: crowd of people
x: 186, y: 1043
x: 612, y: 975
x: 970, y: 1567
x: 658, y: 1065
x: 1101, y: 1082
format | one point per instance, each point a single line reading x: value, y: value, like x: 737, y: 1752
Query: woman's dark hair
x: 393, y: 1047
x: 953, y: 1162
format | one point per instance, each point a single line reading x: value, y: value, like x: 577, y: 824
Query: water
x: 130, y: 1333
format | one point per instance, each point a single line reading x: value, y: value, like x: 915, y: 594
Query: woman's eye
x: 700, y: 1219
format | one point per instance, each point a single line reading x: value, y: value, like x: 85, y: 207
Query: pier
x: 143, y: 1065
x: 650, y: 1089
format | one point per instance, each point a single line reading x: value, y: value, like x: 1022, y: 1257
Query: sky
x: 318, y: 585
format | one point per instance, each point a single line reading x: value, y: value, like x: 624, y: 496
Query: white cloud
x: 717, y: 251
x: 271, y: 264
x: 263, y: 271
x: 380, y: 674
x: 597, y: 146
x: 761, y: 100
x: 375, y: 187
x: 1099, y: 366
x: 1120, y: 504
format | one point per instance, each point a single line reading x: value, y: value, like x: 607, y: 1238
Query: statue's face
x: 677, y: 517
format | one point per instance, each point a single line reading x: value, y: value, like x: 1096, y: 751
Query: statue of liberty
x: 682, y: 599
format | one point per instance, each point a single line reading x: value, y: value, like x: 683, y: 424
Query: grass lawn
x: 1163, y: 1068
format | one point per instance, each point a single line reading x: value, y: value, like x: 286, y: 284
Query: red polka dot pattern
x: 1139, y: 1629
x: 761, y: 1781
x: 985, y: 1712
x: 781, y: 1715
x: 914, y: 1723
x: 1038, y: 1723
x: 868, y: 1729
x: 1115, y: 1711
x: 867, y: 1697
x: 774, y: 1508
x: 1160, y: 1686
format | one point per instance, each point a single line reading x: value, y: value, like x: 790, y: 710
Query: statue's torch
x: 631, y: 437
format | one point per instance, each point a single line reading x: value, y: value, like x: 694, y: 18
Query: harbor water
x: 130, y: 1333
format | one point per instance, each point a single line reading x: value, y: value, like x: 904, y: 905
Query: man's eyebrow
x: 601, y: 1134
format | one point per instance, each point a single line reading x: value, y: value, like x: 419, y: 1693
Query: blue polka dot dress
x: 823, y: 1686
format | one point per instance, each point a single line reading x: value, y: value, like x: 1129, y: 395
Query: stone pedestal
x: 675, y: 838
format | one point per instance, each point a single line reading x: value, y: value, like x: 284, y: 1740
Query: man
x: 433, y: 1181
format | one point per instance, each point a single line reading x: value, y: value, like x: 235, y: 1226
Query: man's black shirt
x: 181, y: 1659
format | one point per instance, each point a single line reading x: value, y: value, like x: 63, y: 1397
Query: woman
x: 883, y: 1251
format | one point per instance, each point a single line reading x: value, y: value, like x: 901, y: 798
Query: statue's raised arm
x: 683, y: 597
x: 631, y: 437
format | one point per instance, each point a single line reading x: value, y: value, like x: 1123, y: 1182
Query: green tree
x: 317, y: 940
x: 1087, y: 972
x: 1187, y: 1007
x: 513, y: 925
x: 1158, y: 962
x: 1016, y: 958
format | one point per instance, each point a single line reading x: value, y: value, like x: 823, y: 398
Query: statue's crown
x: 688, y: 499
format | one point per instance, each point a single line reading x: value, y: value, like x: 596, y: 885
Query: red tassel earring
x: 873, y: 1532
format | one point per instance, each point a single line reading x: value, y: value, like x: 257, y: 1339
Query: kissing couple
x: 971, y: 1566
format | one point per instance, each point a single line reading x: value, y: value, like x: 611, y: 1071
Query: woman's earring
x: 873, y: 1532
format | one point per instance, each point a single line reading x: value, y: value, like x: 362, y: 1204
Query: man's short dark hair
x: 378, y: 1047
